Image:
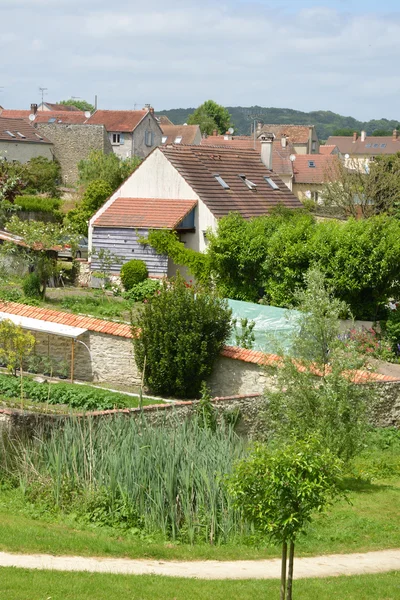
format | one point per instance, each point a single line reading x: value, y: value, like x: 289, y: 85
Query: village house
x: 359, y: 151
x: 187, y: 189
x: 303, y: 138
x: 189, y: 135
x: 20, y: 142
x: 131, y: 132
x: 311, y: 172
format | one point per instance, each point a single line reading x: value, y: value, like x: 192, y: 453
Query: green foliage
x: 167, y: 243
x: 326, y: 122
x: 10, y: 294
x: 166, y: 480
x: 182, y: 332
x: 39, y: 204
x: 107, y: 167
x: 391, y: 329
x: 279, y: 490
x: 73, y: 396
x: 105, y: 308
x: 210, y: 116
x: 320, y: 397
x: 15, y: 345
x: 143, y: 290
x: 43, y: 176
x: 270, y: 255
x: 80, y: 104
x: 206, y: 413
x: 93, y: 198
x: 133, y: 272
x: 31, y: 286
x: 12, y: 182
x: 244, y: 336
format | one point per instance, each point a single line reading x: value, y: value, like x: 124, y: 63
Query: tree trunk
x: 283, y: 571
x: 290, y: 573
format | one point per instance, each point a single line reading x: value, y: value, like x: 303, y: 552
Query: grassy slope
x: 370, y: 522
x: 20, y: 584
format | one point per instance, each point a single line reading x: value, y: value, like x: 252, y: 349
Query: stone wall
x: 72, y: 143
x: 232, y: 377
x: 99, y: 358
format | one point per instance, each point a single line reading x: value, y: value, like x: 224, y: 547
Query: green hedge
x: 38, y: 204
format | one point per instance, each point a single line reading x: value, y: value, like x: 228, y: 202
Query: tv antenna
x: 43, y: 90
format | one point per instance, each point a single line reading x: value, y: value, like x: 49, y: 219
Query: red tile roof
x: 55, y: 316
x: 44, y: 116
x: 187, y: 133
x: 62, y: 107
x: 163, y: 120
x: 20, y: 126
x: 327, y: 149
x: 118, y: 120
x: 145, y: 212
x: 281, y: 163
x: 371, y: 146
x: 198, y: 165
x: 295, y: 133
x: 324, y: 167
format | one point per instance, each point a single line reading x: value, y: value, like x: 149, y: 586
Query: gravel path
x: 318, y: 566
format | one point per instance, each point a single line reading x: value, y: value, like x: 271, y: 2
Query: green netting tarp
x: 273, y: 325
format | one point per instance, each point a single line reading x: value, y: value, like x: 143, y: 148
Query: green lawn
x: 21, y: 584
x: 370, y: 522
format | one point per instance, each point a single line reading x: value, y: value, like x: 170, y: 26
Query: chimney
x: 355, y: 136
x: 363, y: 136
x: 215, y: 132
x: 395, y: 135
x: 284, y: 141
x: 34, y: 108
x: 266, y: 140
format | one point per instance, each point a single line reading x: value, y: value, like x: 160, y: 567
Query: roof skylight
x: 250, y: 184
x: 311, y: 164
x: 272, y: 183
x: 164, y: 139
x: 21, y: 135
x: 178, y: 139
x: 221, y: 181
x: 10, y: 134
x: 39, y: 136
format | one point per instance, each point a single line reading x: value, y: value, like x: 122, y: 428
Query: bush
x: 108, y: 167
x: 43, y: 176
x: 39, y: 204
x: 182, y: 332
x: 133, y: 272
x: 31, y: 286
x: 143, y: 290
x: 94, y: 197
x: 9, y: 294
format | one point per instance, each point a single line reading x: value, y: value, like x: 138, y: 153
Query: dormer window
x: 250, y: 184
x: 271, y: 183
x: 221, y: 182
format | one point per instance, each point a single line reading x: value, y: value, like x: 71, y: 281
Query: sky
x: 338, y: 55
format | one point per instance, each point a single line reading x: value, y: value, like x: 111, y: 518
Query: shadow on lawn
x: 357, y: 484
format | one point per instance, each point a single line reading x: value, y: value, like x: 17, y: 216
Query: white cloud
x: 182, y: 52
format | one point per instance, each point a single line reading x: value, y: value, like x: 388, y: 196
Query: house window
x: 116, y: 138
x: 314, y: 196
x: 221, y: 181
x: 164, y: 139
x: 250, y: 184
x: 271, y: 183
x: 311, y: 164
x: 313, y: 146
x: 148, y: 138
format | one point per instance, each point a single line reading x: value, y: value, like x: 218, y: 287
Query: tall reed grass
x: 124, y: 472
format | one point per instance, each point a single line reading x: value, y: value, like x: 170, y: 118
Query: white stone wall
x: 232, y: 377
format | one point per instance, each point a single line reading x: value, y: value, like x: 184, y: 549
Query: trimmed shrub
x: 38, y: 204
x: 133, y: 272
x: 143, y: 290
x: 31, y: 286
x: 182, y: 332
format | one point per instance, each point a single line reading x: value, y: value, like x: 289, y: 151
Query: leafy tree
x: 345, y: 131
x: 81, y: 104
x: 93, y: 198
x: 383, y: 184
x: 211, y: 116
x: 43, y: 176
x: 42, y: 241
x: 107, y: 167
x: 279, y: 491
x: 179, y: 333
x: 315, y: 392
x: 15, y: 346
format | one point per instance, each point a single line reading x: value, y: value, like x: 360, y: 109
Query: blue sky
x: 305, y: 54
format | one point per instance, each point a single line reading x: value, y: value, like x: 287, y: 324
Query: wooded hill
x: 327, y: 123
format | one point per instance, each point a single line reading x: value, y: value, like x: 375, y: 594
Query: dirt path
x: 318, y: 566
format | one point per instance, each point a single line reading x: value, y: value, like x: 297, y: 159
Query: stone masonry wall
x: 73, y: 143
